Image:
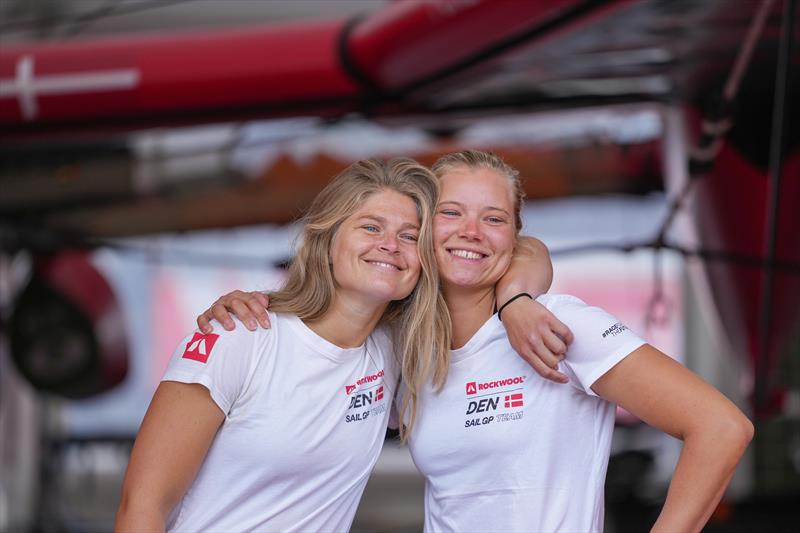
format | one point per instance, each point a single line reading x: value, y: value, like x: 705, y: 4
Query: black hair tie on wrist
x: 520, y: 295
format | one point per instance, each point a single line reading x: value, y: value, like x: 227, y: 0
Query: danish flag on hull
x: 321, y: 68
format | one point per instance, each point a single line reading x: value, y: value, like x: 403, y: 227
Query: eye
x: 410, y: 237
x: 371, y: 228
x: 449, y: 212
x: 495, y: 220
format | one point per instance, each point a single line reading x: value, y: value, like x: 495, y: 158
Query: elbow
x: 726, y: 431
x: 138, y: 513
x: 123, y: 518
x: 747, y: 430
x: 740, y: 430
x: 125, y: 513
x: 733, y: 431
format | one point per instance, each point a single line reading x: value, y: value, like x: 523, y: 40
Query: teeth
x: 384, y: 265
x: 466, y: 254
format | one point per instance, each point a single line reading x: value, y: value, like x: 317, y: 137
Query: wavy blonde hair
x: 420, y: 323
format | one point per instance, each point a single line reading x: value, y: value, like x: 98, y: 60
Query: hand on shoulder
x: 249, y: 307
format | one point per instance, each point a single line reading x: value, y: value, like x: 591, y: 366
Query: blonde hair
x: 420, y: 323
x: 473, y: 159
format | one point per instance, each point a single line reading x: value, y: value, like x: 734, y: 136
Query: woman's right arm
x: 664, y: 394
x: 176, y: 433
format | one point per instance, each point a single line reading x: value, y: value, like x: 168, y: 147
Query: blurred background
x: 154, y: 155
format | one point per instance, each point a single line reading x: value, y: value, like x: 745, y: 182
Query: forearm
x: 530, y: 271
x: 705, y: 467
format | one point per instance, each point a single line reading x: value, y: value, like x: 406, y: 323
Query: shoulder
x: 582, y: 317
x: 240, y: 335
x: 600, y: 339
x: 561, y: 301
x: 565, y: 306
x: 240, y: 340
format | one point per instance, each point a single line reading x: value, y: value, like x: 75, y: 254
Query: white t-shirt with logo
x: 304, y: 424
x: 503, y: 449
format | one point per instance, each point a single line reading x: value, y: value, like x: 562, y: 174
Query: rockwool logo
x: 199, y: 348
x: 474, y: 387
x: 348, y: 389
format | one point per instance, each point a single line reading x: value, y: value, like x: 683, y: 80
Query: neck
x: 469, y: 310
x: 347, y: 324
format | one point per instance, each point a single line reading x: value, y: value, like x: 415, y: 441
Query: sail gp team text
x: 499, y: 417
x: 363, y: 415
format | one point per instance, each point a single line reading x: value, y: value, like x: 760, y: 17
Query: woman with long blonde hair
x: 279, y: 430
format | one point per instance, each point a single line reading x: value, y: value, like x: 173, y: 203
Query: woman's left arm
x: 715, y: 433
x: 531, y: 271
x: 534, y: 332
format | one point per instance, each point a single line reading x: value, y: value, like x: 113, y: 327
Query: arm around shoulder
x: 531, y: 270
x: 173, y: 440
x: 715, y: 433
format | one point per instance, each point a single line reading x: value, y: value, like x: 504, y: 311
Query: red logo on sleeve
x: 199, y: 348
x: 471, y: 388
x: 349, y: 388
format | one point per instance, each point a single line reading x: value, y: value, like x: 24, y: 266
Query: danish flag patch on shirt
x: 199, y: 348
x: 514, y: 400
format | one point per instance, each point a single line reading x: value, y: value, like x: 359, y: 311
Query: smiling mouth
x: 384, y: 266
x: 466, y: 254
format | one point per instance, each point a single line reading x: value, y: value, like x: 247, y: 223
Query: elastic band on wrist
x: 520, y: 295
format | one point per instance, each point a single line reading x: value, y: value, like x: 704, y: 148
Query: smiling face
x: 473, y: 230
x: 374, y: 253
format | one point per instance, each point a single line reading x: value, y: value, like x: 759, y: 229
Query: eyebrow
x: 487, y: 208
x: 381, y: 220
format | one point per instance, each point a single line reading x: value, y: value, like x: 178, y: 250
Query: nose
x: 389, y: 244
x: 470, y: 229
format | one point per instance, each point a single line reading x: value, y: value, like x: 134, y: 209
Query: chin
x: 388, y: 294
x: 464, y: 282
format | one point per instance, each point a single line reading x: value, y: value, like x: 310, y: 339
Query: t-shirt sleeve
x: 601, y: 341
x: 221, y: 361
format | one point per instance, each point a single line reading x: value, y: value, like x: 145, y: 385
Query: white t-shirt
x: 503, y: 449
x: 304, y: 424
